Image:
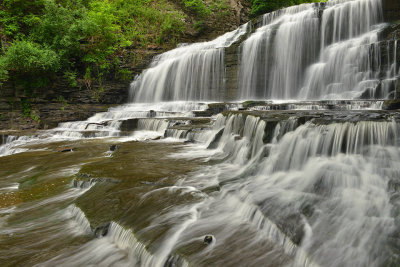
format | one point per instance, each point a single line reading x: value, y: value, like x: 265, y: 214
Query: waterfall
x: 318, y: 192
x: 8, y: 144
x: 79, y: 218
x: 82, y: 184
x: 189, y: 72
x: 326, y: 51
x: 320, y: 165
x: 312, y: 51
x: 126, y: 240
x: 236, y: 135
x: 305, y: 174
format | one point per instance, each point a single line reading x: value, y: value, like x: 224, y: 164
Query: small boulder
x: 152, y: 113
x: 102, y: 230
x: 237, y: 137
x: 391, y: 104
x: 65, y: 149
x: 208, y: 239
x: 113, y: 147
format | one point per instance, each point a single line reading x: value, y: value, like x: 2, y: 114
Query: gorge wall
x: 391, y: 10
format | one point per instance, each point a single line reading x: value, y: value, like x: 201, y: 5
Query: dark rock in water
x: 250, y: 104
x: 213, y: 109
x: 322, y: 187
x: 129, y: 125
x: 152, y: 113
x: 214, y: 143
x: 202, y: 113
x: 293, y: 227
x: 307, y: 210
x: 331, y: 106
x: 191, y: 141
x: 65, y: 149
x: 84, y: 175
x: 216, y: 108
x: 394, y: 186
x: 102, y: 230
x: 113, y: 147
x: 391, y: 10
x: 237, y: 138
x: 391, y: 104
x: 95, y: 123
x: 368, y: 93
x: 157, y: 138
x: 178, y: 123
x: 174, y: 261
x: 208, y: 239
x: 269, y: 131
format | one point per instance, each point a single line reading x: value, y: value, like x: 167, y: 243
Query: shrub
x: 79, y: 35
x: 26, y: 57
x: 198, y: 7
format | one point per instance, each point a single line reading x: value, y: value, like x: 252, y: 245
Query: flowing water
x: 305, y: 172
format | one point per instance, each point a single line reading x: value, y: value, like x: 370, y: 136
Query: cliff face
x: 391, y: 10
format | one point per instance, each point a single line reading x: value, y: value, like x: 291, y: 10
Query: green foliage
x: 34, y: 117
x: 62, y: 101
x: 198, y: 7
x: 199, y: 26
x: 170, y: 28
x: 264, y: 6
x: 26, y: 110
x: 62, y: 29
x: 220, y: 7
x: 26, y: 107
x: 70, y: 76
x: 145, y: 22
x: 3, y: 71
x: 16, y: 16
x: 26, y: 57
x: 124, y: 75
x: 87, y: 39
x: 43, y: 36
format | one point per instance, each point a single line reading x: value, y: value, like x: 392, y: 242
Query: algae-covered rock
x: 250, y: 104
x: 214, y: 143
x: 129, y: 125
x: 391, y: 104
x: 114, y: 147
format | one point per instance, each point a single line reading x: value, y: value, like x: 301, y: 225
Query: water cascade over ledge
x: 296, y: 165
x: 316, y: 51
x: 325, y: 51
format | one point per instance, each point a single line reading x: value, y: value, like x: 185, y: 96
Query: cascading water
x: 313, y: 181
x: 288, y: 42
x: 189, y: 72
x: 312, y: 51
x: 305, y: 191
x: 325, y: 51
